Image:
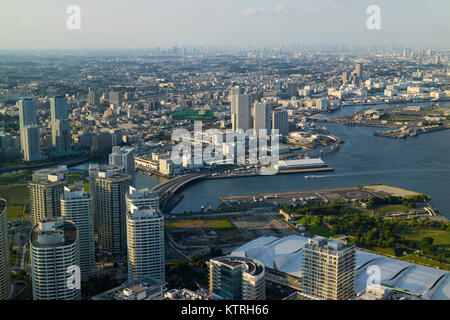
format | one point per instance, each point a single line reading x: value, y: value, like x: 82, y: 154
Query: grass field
x: 320, y: 231
x: 14, y: 212
x: 439, y: 236
x: 17, y: 195
x: 221, y: 224
x: 15, y: 178
x: 391, y: 208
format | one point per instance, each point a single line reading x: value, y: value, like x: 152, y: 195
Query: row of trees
x: 334, y: 208
x: 409, y: 201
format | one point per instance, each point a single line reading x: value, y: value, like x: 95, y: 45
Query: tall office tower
x: 61, y: 136
x: 292, y: 89
x: 123, y: 157
x: 328, y: 269
x: 5, y: 269
x: 77, y: 206
x: 110, y: 211
x: 142, y: 198
x: 54, y: 252
x: 359, y: 69
x: 145, y: 243
x: 240, y: 110
x: 31, y: 143
x: 29, y: 130
x: 27, y: 112
x: 237, y: 278
x: 45, y: 195
x: 280, y: 122
x: 344, y: 77
x: 114, y: 98
x: 262, y: 117
x: 93, y: 99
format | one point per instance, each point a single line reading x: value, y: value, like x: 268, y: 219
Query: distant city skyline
x: 138, y: 24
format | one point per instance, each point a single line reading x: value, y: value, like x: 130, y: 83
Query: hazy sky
x: 29, y: 24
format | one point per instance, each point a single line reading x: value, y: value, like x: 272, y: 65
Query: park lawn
x: 359, y: 210
x: 219, y: 224
x: 414, y: 258
x: 320, y: 231
x: 391, y: 208
x: 384, y: 251
x: 15, y: 178
x: 439, y: 236
x: 17, y: 195
x: 14, y: 213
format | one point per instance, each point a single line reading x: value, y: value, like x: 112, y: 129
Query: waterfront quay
x: 352, y: 194
x: 298, y: 196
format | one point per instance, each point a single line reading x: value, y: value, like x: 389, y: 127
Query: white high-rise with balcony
x: 142, y: 198
x: 145, y: 243
x: 328, y: 269
x: 54, y: 253
x: 77, y: 206
x: 5, y: 269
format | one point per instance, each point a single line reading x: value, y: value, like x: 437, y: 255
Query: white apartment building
x: 77, y: 206
x: 54, y: 252
x: 328, y: 269
x: 145, y: 243
x: 5, y: 269
x: 142, y: 198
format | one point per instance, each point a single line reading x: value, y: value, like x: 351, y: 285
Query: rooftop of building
x: 286, y: 255
x: 141, y: 289
x: 251, y: 266
x: 53, y: 233
x: 134, y: 193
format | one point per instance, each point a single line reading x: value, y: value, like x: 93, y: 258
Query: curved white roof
x: 286, y: 254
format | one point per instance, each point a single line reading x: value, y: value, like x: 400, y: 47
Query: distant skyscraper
x: 77, y: 206
x: 54, y: 250
x: 29, y: 130
x: 240, y: 110
x: 61, y: 135
x: 145, y: 243
x: 45, y: 195
x: 110, y: 211
x: 237, y: 278
x: 58, y: 108
x: 114, y: 98
x: 262, y: 117
x: 359, y: 69
x: 328, y: 269
x: 280, y: 122
x: 93, y: 99
x: 292, y: 89
x: 5, y: 269
x: 142, y: 198
x: 27, y: 112
x: 31, y: 143
x: 344, y: 77
x: 123, y: 157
